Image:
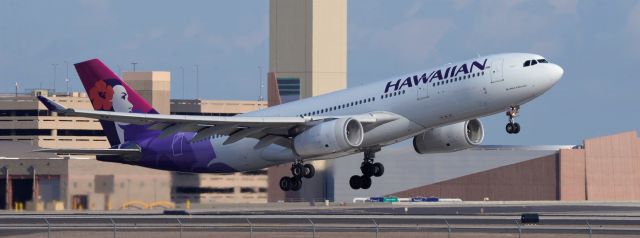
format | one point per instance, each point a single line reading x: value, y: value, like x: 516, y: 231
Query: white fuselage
x: 493, y: 84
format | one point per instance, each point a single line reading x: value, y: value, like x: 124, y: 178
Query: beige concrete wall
x: 572, y: 174
x: 216, y: 106
x: 237, y: 181
x: 153, y: 86
x: 131, y: 183
x: 76, y: 100
x: 329, y: 46
x: 50, y: 122
x: 308, y: 40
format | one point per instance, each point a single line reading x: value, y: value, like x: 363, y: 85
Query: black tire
x: 309, y: 171
x: 367, y: 169
x: 285, y: 183
x: 509, y: 128
x: 297, y: 170
x: 378, y: 169
x: 365, y: 182
x: 355, y: 182
x: 296, y: 184
x: 516, y: 128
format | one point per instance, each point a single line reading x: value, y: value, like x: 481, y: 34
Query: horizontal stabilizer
x: 91, y: 151
x: 51, y: 105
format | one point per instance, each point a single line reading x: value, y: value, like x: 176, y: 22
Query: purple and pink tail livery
x: 107, y: 91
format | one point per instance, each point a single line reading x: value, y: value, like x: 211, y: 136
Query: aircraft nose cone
x: 556, y: 72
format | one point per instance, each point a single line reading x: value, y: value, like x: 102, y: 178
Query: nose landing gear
x: 368, y: 169
x: 298, y: 170
x: 513, y: 127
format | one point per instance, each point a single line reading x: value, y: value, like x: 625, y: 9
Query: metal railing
x: 301, y: 226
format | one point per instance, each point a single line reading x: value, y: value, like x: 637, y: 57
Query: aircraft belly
x: 240, y: 155
x: 391, y: 132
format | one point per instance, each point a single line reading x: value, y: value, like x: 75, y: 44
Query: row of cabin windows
x: 456, y: 79
x: 534, y: 62
x: 338, y: 107
x: 388, y: 95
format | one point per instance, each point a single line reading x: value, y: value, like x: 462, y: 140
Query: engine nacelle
x: 329, y: 137
x: 450, y: 138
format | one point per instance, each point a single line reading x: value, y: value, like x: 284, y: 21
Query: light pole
x: 182, y: 69
x: 67, y: 77
x: 55, y: 72
x: 134, y: 66
x: 197, y: 83
x: 260, y: 82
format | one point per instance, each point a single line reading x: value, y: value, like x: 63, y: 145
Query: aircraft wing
x: 268, y: 130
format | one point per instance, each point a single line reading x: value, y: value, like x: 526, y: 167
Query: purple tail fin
x: 108, y: 92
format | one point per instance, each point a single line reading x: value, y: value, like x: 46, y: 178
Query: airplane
x: 439, y: 108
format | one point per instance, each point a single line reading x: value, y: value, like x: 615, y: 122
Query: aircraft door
x: 496, y: 71
x: 177, y: 144
x: 423, y: 91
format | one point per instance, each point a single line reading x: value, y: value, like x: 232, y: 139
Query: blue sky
x: 596, y: 42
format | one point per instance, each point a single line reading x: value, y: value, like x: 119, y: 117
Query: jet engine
x: 329, y: 137
x: 450, y: 138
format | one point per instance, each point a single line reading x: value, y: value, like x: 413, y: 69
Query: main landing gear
x: 298, y: 170
x: 368, y: 169
x: 513, y: 127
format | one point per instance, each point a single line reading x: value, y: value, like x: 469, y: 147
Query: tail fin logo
x: 110, y: 95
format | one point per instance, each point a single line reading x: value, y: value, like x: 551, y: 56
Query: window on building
x: 289, y: 89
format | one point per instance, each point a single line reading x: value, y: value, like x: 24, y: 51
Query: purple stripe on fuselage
x: 174, y: 152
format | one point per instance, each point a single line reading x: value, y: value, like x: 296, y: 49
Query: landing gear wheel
x: 296, y: 184
x: 367, y: 169
x: 355, y: 182
x: 309, y: 171
x: 285, y: 183
x: 365, y: 182
x: 378, y: 169
x: 510, y: 128
x: 297, y: 170
x: 513, y: 127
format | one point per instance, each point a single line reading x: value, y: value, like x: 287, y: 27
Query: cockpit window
x: 534, y: 62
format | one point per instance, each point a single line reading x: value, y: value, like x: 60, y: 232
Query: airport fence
x: 307, y: 226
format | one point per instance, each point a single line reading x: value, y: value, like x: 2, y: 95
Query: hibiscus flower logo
x: 101, y: 95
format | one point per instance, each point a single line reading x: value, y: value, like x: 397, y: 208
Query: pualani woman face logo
x: 110, y: 95
x: 120, y: 99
